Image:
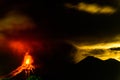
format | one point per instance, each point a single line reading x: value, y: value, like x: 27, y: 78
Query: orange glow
x: 27, y: 63
x: 27, y: 66
x: 27, y: 59
x: 18, y: 46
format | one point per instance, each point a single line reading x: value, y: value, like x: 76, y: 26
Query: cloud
x: 102, y: 50
x: 12, y: 24
x: 92, y: 8
x: 15, y: 22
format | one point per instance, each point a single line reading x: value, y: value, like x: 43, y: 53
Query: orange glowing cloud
x: 22, y: 45
x: 18, y: 46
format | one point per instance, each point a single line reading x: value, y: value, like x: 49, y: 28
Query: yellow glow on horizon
x: 101, y: 46
x: 100, y: 50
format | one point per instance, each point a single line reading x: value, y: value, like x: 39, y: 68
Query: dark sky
x: 54, y: 17
x: 57, y: 22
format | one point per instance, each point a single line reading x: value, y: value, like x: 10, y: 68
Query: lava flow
x: 27, y: 66
x: 27, y: 63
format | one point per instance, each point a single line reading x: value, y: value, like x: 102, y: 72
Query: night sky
x: 55, y: 23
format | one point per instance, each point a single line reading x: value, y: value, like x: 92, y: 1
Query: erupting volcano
x: 27, y: 66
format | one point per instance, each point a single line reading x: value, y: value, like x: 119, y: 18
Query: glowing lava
x: 27, y: 66
x: 27, y: 63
